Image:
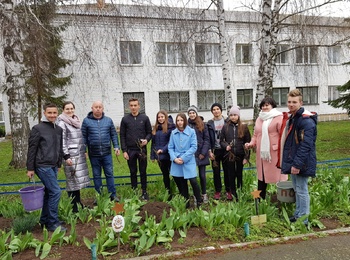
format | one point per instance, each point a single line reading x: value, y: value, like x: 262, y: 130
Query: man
x: 135, y: 133
x: 45, y: 154
x: 216, y: 153
x: 98, y: 132
x: 298, y: 151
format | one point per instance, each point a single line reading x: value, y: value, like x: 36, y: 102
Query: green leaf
x: 87, y: 242
x: 182, y: 233
x: 46, y: 250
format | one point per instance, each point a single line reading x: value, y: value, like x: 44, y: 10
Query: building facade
x: 170, y: 59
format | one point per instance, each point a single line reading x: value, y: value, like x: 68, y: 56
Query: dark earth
x: 196, y: 238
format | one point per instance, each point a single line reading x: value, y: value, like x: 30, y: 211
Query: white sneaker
x: 205, y: 198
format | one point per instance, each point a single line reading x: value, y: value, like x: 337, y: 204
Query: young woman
x: 203, y: 146
x: 266, y: 135
x: 159, y: 147
x: 75, y: 167
x: 182, y: 147
x: 233, y: 137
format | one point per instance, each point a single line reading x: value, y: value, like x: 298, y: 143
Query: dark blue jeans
x: 49, y: 213
x: 105, y: 162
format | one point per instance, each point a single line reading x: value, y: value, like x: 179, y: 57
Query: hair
x: 296, y: 93
x: 48, y: 105
x: 133, y: 99
x: 67, y: 103
x: 198, y: 121
x: 164, y: 125
x: 183, y: 116
x: 268, y: 100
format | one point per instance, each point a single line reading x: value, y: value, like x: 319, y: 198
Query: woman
x: 75, y: 167
x: 159, y: 147
x: 182, y: 147
x: 203, y: 146
x: 265, y: 139
x: 233, y: 137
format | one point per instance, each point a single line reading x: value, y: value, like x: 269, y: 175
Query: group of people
x: 284, y: 142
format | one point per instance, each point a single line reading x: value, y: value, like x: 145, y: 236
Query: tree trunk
x: 15, y: 87
x: 225, y: 60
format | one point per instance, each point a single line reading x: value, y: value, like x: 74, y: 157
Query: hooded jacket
x: 160, y: 140
x: 298, y: 148
x: 45, y: 146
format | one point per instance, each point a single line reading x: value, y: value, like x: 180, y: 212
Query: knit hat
x: 216, y: 105
x: 192, y: 108
x: 235, y: 110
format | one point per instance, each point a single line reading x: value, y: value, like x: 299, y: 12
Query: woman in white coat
x: 75, y: 167
x: 182, y: 148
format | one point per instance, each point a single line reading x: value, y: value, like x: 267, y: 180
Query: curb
x: 238, y: 245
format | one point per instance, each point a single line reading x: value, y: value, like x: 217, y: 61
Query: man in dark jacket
x: 135, y: 133
x: 298, y: 151
x: 98, y: 132
x: 45, y: 158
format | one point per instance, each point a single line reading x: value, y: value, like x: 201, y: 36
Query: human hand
x: 117, y: 152
x: 245, y: 161
x: 247, y: 146
x: 201, y: 157
x: 294, y: 170
x: 159, y: 151
x: 211, y: 156
x: 30, y: 174
x: 143, y: 142
x: 126, y: 156
x: 228, y: 148
x: 69, y: 162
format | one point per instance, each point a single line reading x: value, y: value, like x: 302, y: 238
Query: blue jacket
x: 160, y: 141
x: 203, y: 143
x: 299, y: 148
x: 183, y: 145
x: 98, y: 134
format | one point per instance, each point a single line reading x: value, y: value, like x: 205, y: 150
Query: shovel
x: 257, y: 219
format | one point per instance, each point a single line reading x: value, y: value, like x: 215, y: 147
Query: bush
x: 2, y: 131
x: 25, y: 223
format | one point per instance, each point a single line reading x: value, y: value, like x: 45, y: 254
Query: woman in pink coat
x: 265, y: 139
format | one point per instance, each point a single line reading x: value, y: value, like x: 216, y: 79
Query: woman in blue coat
x: 203, y: 146
x: 159, y: 148
x: 182, y: 148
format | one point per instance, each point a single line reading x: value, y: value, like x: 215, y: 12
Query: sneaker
x: 229, y: 196
x: 292, y: 219
x: 205, y: 198
x: 217, y: 195
x: 54, y: 227
x: 145, y: 196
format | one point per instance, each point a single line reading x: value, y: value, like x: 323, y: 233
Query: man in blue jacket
x: 98, y: 132
x: 135, y: 133
x: 298, y: 151
x: 45, y: 155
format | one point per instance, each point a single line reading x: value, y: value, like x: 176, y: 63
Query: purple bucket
x: 32, y: 197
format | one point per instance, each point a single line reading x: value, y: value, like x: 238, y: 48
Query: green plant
x: 2, y: 131
x: 10, y: 243
x: 25, y: 223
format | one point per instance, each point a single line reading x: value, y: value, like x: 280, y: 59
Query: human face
x: 234, y: 118
x: 192, y: 115
x: 68, y: 110
x: 51, y: 114
x: 180, y: 122
x: 294, y: 104
x: 266, y: 107
x: 97, y: 109
x: 134, y: 107
x: 216, y: 112
x: 161, y: 118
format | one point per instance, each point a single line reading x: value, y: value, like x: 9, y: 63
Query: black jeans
x: 135, y: 156
x: 219, y: 159
x: 164, y: 166
x: 235, y: 173
x: 181, y: 184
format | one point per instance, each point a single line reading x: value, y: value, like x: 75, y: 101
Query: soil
x: 196, y: 237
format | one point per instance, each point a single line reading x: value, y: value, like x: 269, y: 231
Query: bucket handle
x: 32, y: 179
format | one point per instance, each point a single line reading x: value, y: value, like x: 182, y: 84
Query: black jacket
x: 132, y: 129
x: 45, y: 146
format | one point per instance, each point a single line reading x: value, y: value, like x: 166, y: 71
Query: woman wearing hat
x: 203, y: 146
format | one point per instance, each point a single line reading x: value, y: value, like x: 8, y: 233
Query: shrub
x: 2, y: 131
x: 25, y: 223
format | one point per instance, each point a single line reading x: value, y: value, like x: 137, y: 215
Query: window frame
x: 308, y: 55
x: 333, y: 92
x: 334, y: 54
x: 279, y: 56
x: 179, y: 100
x: 240, y: 57
x: 307, y: 95
x: 218, y: 96
x: 282, y: 95
x: 210, y: 49
x: 179, y: 56
x: 131, y: 45
x: 246, y: 92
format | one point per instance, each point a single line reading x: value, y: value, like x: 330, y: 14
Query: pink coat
x: 271, y: 172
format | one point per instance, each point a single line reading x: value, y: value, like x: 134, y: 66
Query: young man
x: 45, y: 155
x: 298, y: 151
x: 135, y: 133
x: 98, y: 132
x: 216, y: 153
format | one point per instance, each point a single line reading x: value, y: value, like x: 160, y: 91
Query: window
x: 280, y: 96
x: 310, y: 95
x: 333, y: 93
x: 306, y: 55
x: 245, y: 98
x: 243, y: 53
x: 1, y: 113
x: 282, y: 57
x: 334, y: 54
x: 206, y: 98
x: 207, y: 53
x: 174, y: 101
x: 130, y: 52
x: 139, y: 95
x: 170, y: 53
